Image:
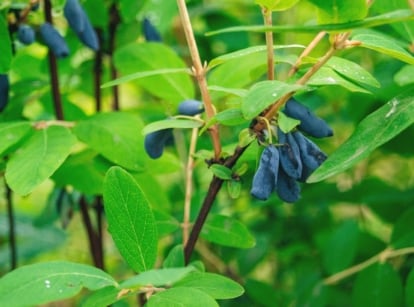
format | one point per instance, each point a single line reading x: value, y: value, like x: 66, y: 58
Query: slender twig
x: 113, y: 24
x: 92, y: 235
x: 306, y: 52
x: 98, y: 72
x: 380, y: 257
x: 411, y: 4
x: 200, y: 74
x: 189, y: 185
x: 53, y: 68
x: 99, y: 210
x: 213, y: 189
x: 267, y: 18
x: 12, y: 228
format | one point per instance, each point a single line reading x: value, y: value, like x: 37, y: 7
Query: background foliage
x: 348, y: 241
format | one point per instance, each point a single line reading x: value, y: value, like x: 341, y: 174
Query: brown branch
x: 53, y: 68
x: 12, y: 227
x: 200, y: 75
x: 115, y: 19
x: 267, y: 17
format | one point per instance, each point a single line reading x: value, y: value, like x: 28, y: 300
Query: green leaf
x: 104, y: 297
x: 234, y: 188
x: 409, y: 289
x: 221, y: 171
x: 42, y: 283
x: 341, y: 247
x: 352, y: 71
x: 263, y: 94
x: 405, y: 75
x: 382, y: 43
x: 84, y: 171
x: 285, y: 123
x: 160, y: 277
x: 215, y: 285
x: 129, y: 9
x: 175, y: 257
x: 11, y: 133
x: 277, y: 5
x: 378, y: 286
x: 233, y: 91
x: 166, y: 223
x: 130, y: 219
x: 116, y: 136
x: 403, y: 232
x: 230, y: 117
x: 144, y: 74
x: 386, y: 18
x: 327, y: 76
x: 227, y: 231
x: 145, y: 57
x: 340, y: 11
x: 246, y: 52
x: 5, y: 46
x: 38, y: 158
x: 373, y: 131
x: 172, y: 123
x: 181, y: 296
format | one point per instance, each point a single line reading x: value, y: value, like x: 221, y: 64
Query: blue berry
x: 54, y: 40
x: 88, y: 36
x: 287, y: 188
x: 309, y: 122
x: 190, y: 107
x: 265, y: 178
x: 26, y: 34
x: 311, y: 155
x: 73, y: 14
x: 151, y: 34
x: 155, y: 142
x: 290, y: 159
x: 4, y: 91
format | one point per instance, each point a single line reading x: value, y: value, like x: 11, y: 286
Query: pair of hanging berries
x: 293, y: 159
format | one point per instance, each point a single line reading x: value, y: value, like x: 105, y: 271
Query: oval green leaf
x: 172, y: 123
x: 38, y: 158
x: 215, y: 285
x: 116, y: 136
x: 42, y: 283
x: 378, y: 286
x: 227, y: 231
x: 181, y: 296
x: 373, y: 131
x: 144, y: 57
x: 130, y: 219
x: 263, y: 94
x: 11, y: 133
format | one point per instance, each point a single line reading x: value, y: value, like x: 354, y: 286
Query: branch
x: 12, y: 228
x: 113, y: 24
x: 267, y: 17
x: 53, y: 68
x: 200, y: 74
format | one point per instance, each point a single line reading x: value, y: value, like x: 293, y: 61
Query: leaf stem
x: 189, y: 185
x: 199, y: 71
x: 306, y: 52
x: 53, y: 68
x: 12, y: 227
x: 267, y: 18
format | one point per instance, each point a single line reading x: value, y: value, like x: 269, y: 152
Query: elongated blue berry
x: 311, y: 155
x: 4, y: 91
x: 287, y: 188
x: 309, y: 122
x: 151, y: 34
x: 88, y: 36
x: 54, y: 40
x: 73, y: 13
x: 265, y: 178
x: 290, y: 159
x: 26, y: 34
x: 190, y: 107
x: 155, y: 142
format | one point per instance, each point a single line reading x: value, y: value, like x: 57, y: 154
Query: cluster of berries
x: 78, y: 22
x: 156, y: 141
x: 293, y: 159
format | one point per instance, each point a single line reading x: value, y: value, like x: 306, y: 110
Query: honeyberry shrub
x: 286, y: 156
